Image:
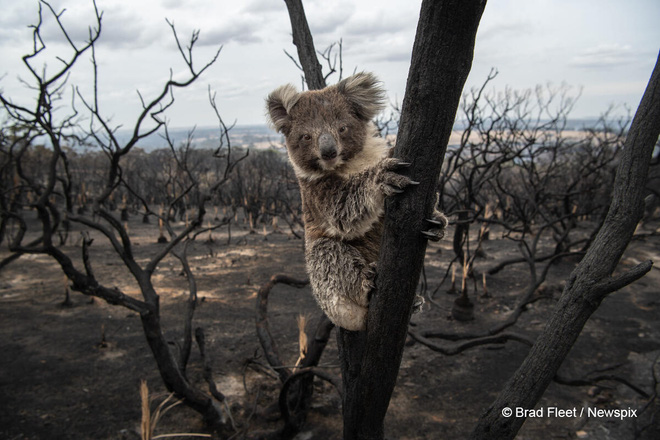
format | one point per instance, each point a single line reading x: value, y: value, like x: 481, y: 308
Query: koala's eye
x: 343, y: 129
x: 306, y: 137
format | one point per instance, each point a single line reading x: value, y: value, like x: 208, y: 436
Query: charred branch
x: 591, y: 281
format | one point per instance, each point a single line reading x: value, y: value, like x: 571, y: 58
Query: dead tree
x: 370, y: 361
x: 302, y: 39
x: 441, y: 60
x: 515, y: 157
x: 591, y: 281
x: 296, y: 392
x: 442, y: 57
x: 48, y: 192
x: 297, y: 387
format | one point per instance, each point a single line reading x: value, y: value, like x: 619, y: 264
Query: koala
x: 345, y: 173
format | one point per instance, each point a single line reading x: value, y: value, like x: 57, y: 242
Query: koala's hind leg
x: 437, y: 224
x: 341, y: 281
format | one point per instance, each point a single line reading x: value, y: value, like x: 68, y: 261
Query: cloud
x: 263, y: 7
x: 242, y: 23
x: 120, y: 27
x: 392, y: 48
x: 382, y: 24
x: 14, y: 21
x: 505, y: 29
x: 173, y: 4
x: 124, y: 30
x: 328, y: 17
x: 379, y: 36
x: 603, y: 56
x: 244, y: 29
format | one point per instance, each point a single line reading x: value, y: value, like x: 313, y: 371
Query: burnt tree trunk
x: 592, y: 279
x: 171, y: 373
x: 304, y: 42
x: 441, y: 60
x: 302, y: 38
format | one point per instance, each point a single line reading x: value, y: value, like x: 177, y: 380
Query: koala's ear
x: 279, y: 104
x: 364, y: 92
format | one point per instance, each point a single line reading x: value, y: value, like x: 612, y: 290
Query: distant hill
x: 253, y: 136
x: 262, y: 137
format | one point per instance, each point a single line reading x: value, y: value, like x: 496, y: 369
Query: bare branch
x: 263, y: 328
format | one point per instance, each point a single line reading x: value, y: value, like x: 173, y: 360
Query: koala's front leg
x: 389, y: 181
x: 350, y: 206
x: 393, y: 183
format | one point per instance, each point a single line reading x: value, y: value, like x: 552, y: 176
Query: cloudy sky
x: 604, y: 48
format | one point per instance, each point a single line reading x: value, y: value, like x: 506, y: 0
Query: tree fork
x: 171, y: 373
x: 442, y: 58
x: 441, y: 61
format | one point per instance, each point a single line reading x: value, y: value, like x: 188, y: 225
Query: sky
x: 602, y: 50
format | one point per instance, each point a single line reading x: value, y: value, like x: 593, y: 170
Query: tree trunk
x: 592, y: 279
x: 442, y: 57
x: 441, y: 60
x: 171, y: 373
x: 302, y: 38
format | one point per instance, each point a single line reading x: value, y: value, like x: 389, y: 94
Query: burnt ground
x: 73, y: 371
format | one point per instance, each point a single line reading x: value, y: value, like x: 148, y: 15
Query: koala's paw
x: 418, y: 304
x: 437, y: 225
x: 368, y: 283
x: 389, y: 180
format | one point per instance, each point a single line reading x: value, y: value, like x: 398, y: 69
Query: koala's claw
x: 390, y: 180
x: 418, y: 304
x: 368, y: 281
x: 394, y: 190
x: 392, y: 163
x: 438, y: 224
x: 432, y: 236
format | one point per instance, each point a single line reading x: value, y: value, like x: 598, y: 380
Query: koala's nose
x: 327, y: 146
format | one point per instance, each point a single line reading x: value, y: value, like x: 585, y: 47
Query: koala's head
x: 326, y: 129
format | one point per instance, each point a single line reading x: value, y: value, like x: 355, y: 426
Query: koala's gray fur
x: 344, y: 174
